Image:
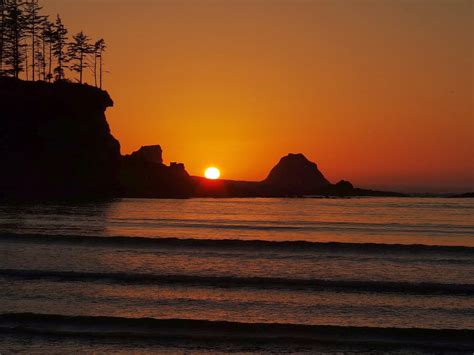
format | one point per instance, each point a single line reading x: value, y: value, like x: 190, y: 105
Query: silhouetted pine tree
x: 42, y: 63
x: 99, y: 49
x: 59, y: 46
x: 29, y: 40
x: 78, y: 51
x: 2, y: 32
x: 34, y: 24
x: 14, y: 46
x: 48, y: 40
x: 39, y: 60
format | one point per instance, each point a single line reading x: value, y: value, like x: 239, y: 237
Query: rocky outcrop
x: 344, y: 185
x: 143, y: 174
x: 55, y: 141
x: 295, y: 174
x: 151, y: 154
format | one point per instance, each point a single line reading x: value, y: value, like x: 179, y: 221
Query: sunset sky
x: 378, y: 92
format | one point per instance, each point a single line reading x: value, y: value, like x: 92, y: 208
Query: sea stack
x: 143, y: 174
x: 297, y: 175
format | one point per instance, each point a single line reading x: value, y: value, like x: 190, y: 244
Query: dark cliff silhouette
x: 55, y: 141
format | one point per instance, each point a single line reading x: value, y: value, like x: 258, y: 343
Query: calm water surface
x: 377, y: 262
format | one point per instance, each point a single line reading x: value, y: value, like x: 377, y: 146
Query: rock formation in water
x: 143, y: 174
x: 295, y: 174
x: 150, y: 154
x: 55, y: 141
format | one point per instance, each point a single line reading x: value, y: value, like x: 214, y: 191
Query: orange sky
x: 378, y: 92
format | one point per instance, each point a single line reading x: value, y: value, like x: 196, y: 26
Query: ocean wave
x: 245, y: 282
x: 276, y: 222
x: 293, y: 246
x: 263, y: 225
x: 299, y: 226
x: 150, y: 328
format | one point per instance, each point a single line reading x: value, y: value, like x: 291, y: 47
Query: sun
x: 212, y: 173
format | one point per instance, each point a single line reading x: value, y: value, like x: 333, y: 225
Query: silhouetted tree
x: 29, y: 40
x: 99, y: 49
x: 48, y: 40
x: 14, y: 47
x: 34, y: 24
x: 25, y: 58
x: 39, y: 60
x: 79, y: 48
x: 2, y: 32
x: 42, y: 52
x: 59, y: 46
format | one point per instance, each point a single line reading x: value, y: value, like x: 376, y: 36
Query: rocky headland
x: 55, y: 143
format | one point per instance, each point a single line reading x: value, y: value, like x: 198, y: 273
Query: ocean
x: 238, y: 275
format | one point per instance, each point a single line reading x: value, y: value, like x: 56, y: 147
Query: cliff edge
x: 55, y: 141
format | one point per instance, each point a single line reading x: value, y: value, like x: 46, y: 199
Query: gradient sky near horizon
x: 378, y: 92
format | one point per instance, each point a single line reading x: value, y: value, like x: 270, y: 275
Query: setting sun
x: 212, y: 173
